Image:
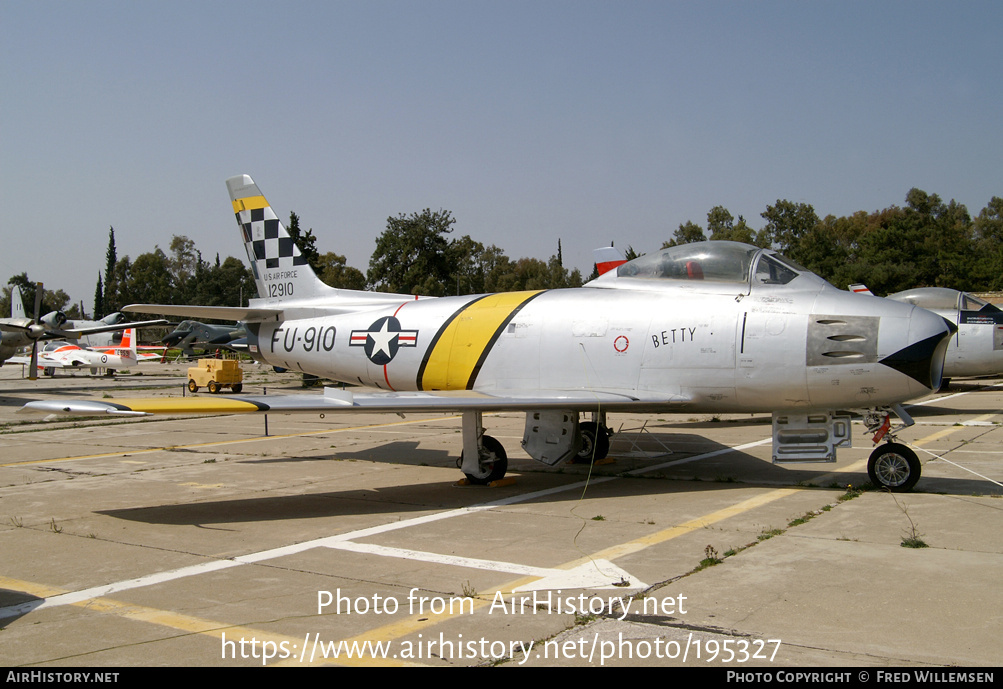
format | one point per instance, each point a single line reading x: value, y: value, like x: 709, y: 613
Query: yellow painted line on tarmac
x: 218, y: 443
x: 692, y: 525
x: 416, y: 623
x: 225, y: 633
x: 421, y: 622
x: 393, y: 631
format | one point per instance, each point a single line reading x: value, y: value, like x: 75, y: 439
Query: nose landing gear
x: 891, y: 466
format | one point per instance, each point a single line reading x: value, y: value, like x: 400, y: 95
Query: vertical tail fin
x: 127, y: 350
x: 16, y: 303
x: 607, y: 258
x: 280, y: 270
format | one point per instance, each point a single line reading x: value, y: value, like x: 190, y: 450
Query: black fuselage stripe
x: 494, y: 338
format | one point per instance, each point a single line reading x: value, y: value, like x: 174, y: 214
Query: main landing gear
x: 483, y: 459
x: 595, y: 442
x: 551, y: 437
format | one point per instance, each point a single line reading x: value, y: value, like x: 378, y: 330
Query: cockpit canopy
x: 53, y: 345
x: 942, y: 298
x: 714, y: 262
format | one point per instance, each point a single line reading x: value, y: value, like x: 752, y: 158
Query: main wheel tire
x: 192, y: 387
x: 595, y: 443
x: 213, y: 387
x: 893, y: 466
x: 494, y: 467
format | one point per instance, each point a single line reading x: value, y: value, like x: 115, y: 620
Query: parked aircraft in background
x: 708, y: 327
x: 60, y: 354
x: 190, y: 334
x: 10, y: 341
x: 144, y: 353
x: 106, y: 339
x: 21, y: 331
x: 976, y: 349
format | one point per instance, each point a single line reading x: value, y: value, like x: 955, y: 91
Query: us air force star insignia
x: 383, y: 339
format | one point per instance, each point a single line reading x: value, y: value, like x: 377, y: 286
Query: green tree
x: 786, y: 224
x: 412, y: 255
x: 305, y: 242
x: 987, y: 240
x: 333, y: 269
x: 99, y: 298
x: 150, y: 279
x: 51, y: 300
x: 720, y: 223
x: 722, y: 226
x: 182, y: 267
x: 495, y: 266
x: 110, y: 286
x: 465, y: 257
x: 117, y: 292
x: 688, y: 232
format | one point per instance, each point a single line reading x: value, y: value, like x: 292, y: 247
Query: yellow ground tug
x: 216, y: 374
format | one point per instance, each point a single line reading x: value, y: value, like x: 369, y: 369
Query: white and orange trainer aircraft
x: 708, y: 327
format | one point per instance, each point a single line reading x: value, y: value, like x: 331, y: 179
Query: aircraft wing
x: 223, y: 313
x: 335, y: 400
x: 43, y: 361
x: 118, y: 326
x: 76, y: 333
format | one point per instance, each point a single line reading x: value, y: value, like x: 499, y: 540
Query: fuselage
x: 698, y: 344
x: 68, y: 354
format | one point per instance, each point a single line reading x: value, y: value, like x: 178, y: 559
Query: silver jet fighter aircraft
x: 977, y: 347
x: 708, y: 327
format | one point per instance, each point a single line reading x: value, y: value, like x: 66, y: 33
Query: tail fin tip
x: 280, y: 269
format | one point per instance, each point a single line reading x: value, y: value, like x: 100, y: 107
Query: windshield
x: 970, y: 302
x: 771, y: 271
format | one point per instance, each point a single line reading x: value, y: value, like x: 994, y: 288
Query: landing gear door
x: 551, y: 437
x: 809, y: 437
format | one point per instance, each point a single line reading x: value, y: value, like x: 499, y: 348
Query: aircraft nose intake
x: 923, y: 358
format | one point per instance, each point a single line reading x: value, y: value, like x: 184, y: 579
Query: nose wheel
x: 894, y: 467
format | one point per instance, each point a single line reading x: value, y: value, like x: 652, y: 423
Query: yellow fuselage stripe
x: 249, y: 203
x: 461, y: 347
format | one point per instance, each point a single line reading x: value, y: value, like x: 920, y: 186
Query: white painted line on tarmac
x: 599, y: 574
x: 327, y: 541
x: 345, y: 541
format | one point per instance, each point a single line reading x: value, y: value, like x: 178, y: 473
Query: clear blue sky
x: 530, y: 121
